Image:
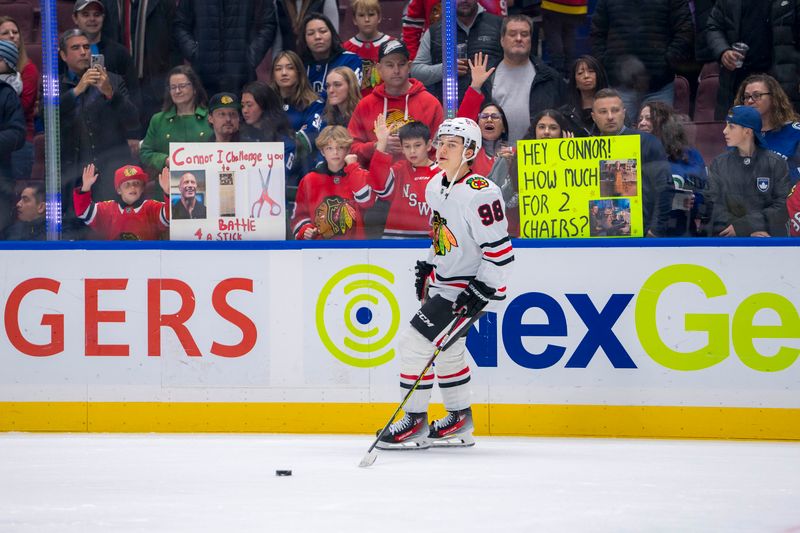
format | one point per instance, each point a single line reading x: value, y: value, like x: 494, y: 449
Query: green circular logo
x: 369, y: 316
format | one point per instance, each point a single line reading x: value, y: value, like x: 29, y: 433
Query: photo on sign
x: 618, y: 177
x: 187, y: 189
x: 610, y: 218
x: 227, y: 194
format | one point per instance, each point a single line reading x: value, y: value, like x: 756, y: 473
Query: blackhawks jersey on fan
x: 114, y: 220
x: 333, y: 202
x: 470, y: 235
x: 403, y: 186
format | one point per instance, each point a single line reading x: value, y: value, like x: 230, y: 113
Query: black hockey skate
x: 453, y: 431
x: 408, y: 433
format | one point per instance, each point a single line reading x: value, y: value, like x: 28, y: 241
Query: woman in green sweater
x: 184, y: 118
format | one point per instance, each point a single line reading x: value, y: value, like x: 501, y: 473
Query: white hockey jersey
x: 470, y: 235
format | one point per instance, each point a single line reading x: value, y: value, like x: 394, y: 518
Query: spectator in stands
x: 130, y: 217
x: 686, y: 164
x: 586, y: 78
x: 770, y: 29
x: 88, y: 16
x: 403, y: 183
x: 399, y: 98
x: 223, y: 115
x: 225, y: 41
x: 748, y: 185
x: 321, y: 50
x: 608, y: 114
x: 331, y: 198
x: 31, y: 224
x: 367, y: 42
x: 12, y: 132
x: 184, y: 118
x: 266, y: 121
x: 292, y: 13
x: 145, y: 30
x: 476, y: 31
x: 640, y: 44
x: 22, y: 159
x: 779, y: 120
x: 97, y: 119
x: 561, y: 20
x: 521, y: 68
x: 343, y: 96
x: 304, y: 109
x: 419, y: 15
x: 793, y: 207
x: 549, y: 124
x: 188, y: 206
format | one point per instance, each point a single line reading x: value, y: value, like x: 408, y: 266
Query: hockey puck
x: 283, y: 472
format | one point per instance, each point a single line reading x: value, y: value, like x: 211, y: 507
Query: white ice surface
x: 120, y: 483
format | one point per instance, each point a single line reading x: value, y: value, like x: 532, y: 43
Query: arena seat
x: 707, y: 138
x: 22, y: 12
x: 682, y: 95
x: 707, y: 93
x: 34, y: 52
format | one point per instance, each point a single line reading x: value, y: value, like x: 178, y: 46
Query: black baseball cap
x: 393, y: 47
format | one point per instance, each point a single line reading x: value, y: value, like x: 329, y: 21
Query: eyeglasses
x: 179, y: 87
x: 486, y: 116
x: 754, y: 97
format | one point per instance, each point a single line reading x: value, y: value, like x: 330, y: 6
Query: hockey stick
x: 371, y: 455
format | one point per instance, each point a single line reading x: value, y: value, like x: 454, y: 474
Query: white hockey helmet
x: 465, y: 128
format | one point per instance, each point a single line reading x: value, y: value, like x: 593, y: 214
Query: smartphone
x: 98, y: 59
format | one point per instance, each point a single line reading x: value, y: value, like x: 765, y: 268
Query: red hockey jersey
x: 142, y: 221
x: 368, y: 52
x: 403, y: 185
x: 333, y: 203
x: 793, y: 206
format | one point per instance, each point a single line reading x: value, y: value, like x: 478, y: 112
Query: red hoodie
x: 416, y: 105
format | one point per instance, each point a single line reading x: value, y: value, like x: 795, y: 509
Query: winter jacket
x: 484, y: 36
x: 547, y: 90
x: 167, y: 127
x: 724, y: 29
x: 225, y: 41
x: 660, y: 33
x: 95, y: 130
x: 416, y: 105
x: 749, y: 193
x: 12, y: 129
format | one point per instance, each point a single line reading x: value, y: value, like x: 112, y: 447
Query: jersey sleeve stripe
x: 495, y: 244
x: 389, y: 186
x: 500, y: 263
x: 362, y: 196
x: 300, y: 224
x: 498, y: 253
x: 88, y: 215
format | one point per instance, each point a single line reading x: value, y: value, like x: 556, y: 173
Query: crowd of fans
x: 357, y: 114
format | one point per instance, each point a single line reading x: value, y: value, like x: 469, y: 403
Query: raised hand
x: 350, y: 158
x: 88, y: 178
x: 381, y: 133
x: 163, y: 180
x: 480, y: 73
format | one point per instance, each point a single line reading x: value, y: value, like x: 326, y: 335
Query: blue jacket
x: 12, y: 128
x: 786, y: 143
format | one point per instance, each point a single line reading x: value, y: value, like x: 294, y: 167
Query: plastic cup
x: 742, y: 48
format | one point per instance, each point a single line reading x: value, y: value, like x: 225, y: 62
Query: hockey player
x: 131, y: 217
x: 466, y: 271
x: 403, y: 184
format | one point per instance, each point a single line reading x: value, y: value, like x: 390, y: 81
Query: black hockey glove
x: 422, y: 271
x: 473, y: 299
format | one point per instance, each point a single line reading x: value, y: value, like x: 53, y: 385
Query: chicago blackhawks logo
x: 334, y: 216
x: 477, y: 183
x: 443, y: 238
x: 396, y: 119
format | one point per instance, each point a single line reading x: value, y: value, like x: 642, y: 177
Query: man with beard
x: 189, y: 206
